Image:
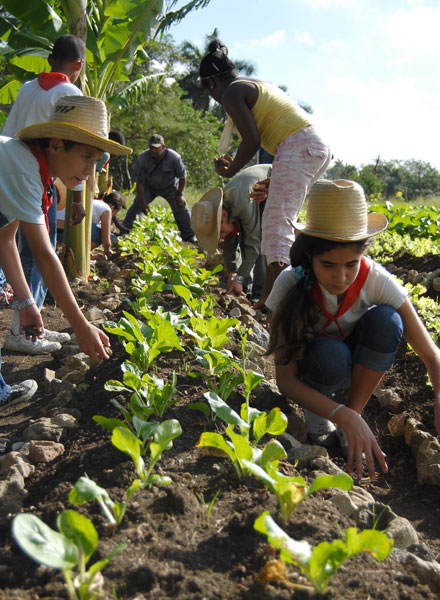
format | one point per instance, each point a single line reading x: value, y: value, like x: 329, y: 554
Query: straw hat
x: 206, y: 218
x: 78, y: 119
x: 337, y: 210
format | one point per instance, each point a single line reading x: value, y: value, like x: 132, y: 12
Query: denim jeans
x: 327, y: 362
x: 33, y: 276
x: 181, y: 214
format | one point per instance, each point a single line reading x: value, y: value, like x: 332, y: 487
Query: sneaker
x: 56, y: 336
x: 342, y: 441
x: 191, y: 239
x: 20, y: 392
x: 322, y: 432
x: 19, y: 343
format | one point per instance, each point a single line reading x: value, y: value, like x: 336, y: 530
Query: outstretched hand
x: 93, y: 342
x: 361, y: 443
x: 222, y: 165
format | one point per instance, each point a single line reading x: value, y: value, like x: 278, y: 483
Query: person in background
x: 338, y: 318
x: 159, y: 171
x: 231, y: 215
x: 265, y: 116
x: 34, y: 104
x: 67, y: 146
x: 104, y: 215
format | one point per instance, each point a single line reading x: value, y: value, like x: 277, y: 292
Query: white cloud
x: 332, y: 3
x: 413, y: 32
x: 274, y: 40
x: 333, y: 45
x: 305, y: 38
x: 392, y: 119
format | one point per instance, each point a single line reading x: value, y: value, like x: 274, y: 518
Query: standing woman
x: 265, y: 116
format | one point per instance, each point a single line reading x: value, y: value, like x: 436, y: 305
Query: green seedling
x: 68, y: 550
x: 86, y: 490
x: 321, y: 562
x: 240, y: 451
x: 292, y: 491
x: 210, y: 333
x: 164, y: 434
x: 150, y: 394
x: 195, y: 305
x: 208, y: 505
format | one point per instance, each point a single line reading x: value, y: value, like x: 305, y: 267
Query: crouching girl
x: 338, y: 320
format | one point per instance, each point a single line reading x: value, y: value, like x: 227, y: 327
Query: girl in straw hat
x: 338, y: 319
x: 67, y: 146
x: 265, y: 116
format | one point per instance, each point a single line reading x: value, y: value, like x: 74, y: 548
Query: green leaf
x: 43, y: 544
x: 291, y: 550
x: 223, y: 411
x: 86, y: 490
x: 341, y: 481
x: 108, y: 423
x: 79, y: 530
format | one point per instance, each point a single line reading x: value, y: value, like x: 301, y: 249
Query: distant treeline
x: 412, y: 178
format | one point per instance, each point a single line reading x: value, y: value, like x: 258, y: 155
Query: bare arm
x: 180, y: 200
x: 236, y: 103
x: 106, y: 221
x: 359, y: 436
x: 11, y: 265
x: 140, y: 196
x: 418, y: 337
x: 91, y: 340
x: 77, y: 211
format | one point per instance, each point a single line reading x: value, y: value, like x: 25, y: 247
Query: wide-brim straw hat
x: 81, y: 119
x: 206, y: 218
x: 337, y: 210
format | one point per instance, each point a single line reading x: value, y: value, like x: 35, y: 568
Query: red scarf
x: 49, y: 80
x: 350, y: 297
x: 41, y: 157
x: 234, y: 232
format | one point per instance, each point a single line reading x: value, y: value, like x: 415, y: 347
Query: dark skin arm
x: 237, y: 100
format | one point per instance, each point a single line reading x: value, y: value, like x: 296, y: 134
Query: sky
x: 368, y: 68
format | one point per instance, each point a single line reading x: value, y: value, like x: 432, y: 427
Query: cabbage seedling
x: 68, y: 550
x: 321, y: 562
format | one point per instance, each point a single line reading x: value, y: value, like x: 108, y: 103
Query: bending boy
x: 68, y: 146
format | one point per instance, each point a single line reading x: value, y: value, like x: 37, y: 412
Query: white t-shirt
x: 99, y: 208
x: 379, y: 288
x: 34, y: 105
x: 21, y: 189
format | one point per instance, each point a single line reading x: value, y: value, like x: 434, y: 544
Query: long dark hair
x: 298, y: 312
x: 216, y: 63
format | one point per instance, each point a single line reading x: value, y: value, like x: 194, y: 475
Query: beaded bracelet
x: 333, y: 411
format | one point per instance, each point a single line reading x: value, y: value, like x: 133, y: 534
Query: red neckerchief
x: 41, y: 157
x: 349, y: 299
x: 49, y: 80
x: 234, y: 231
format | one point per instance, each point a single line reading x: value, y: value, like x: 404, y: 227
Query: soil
x: 174, y: 549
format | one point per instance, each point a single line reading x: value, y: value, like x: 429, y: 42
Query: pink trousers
x: 299, y: 161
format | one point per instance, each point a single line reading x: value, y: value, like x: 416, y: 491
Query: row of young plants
x: 144, y: 434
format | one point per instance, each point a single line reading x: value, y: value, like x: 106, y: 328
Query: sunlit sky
x: 368, y: 68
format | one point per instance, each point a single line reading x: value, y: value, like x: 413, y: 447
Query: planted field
x: 174, y: 471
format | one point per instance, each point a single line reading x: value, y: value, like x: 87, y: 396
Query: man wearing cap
x: 231, y: 215
x: 159, y: 171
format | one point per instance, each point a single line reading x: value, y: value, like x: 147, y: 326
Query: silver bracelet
x: 25, y: 303
x: 238, y: 278
x: 333, y: 411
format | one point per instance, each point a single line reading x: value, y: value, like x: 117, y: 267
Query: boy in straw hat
x: 67, y: 146
x: 338, y: 320
x: 34, y: 104
x: 231, y: 215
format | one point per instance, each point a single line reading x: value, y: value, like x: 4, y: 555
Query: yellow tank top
x: 276, y: 115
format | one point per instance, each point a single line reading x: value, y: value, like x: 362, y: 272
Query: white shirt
x: 21, y: 189
x: 99, y: 208
x: 379, y: 288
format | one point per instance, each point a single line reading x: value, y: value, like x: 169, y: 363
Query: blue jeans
x: 33, y: 276
x: 327, y: 362
x: 181, y: 214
